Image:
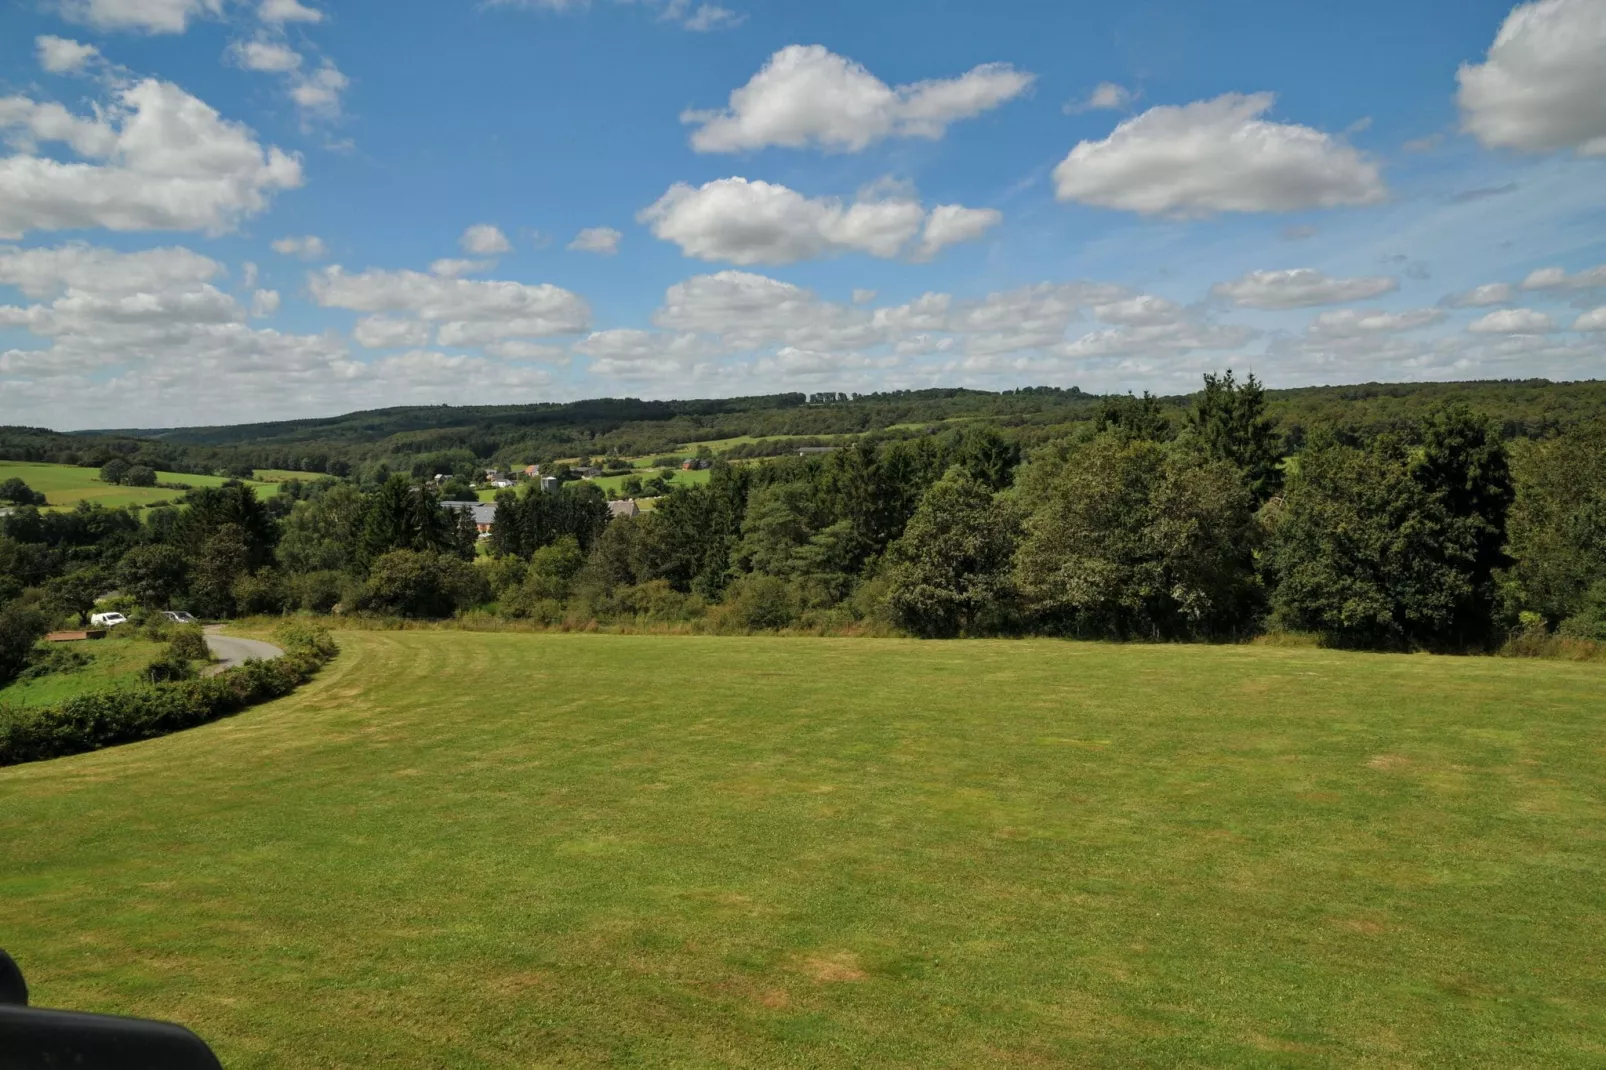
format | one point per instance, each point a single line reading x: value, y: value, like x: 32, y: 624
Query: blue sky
x: 222, y: 210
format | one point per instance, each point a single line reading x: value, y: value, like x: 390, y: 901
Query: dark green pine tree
x: 1231, y: 424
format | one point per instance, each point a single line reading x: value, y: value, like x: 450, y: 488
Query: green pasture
x: 113, y: 662
x: 484, y: 850
x: 65, y: 485
x: 681, y: 478
x: 285, y: 475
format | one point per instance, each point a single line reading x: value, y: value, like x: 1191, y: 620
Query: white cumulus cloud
x: 755, y: 222
x: 469, y: 311
x: 807, y: 95
x: 153, y: 158
x: 1555, y: 278
x: 148, y: 16
x: 307, y: 247
x: 385, y: 332
x: 1299, y: 288
x: 1543, y: 85
x: 264, y: 303
x: 1353, y: 322
x: 604, y: 241
x: 260, y: 54
x: 1493, y: 293
x: 282, y: 11
x: 1106, y: 96
x: 59, y: 55
x: 1512, y: 321
x: 484, y: 239
x: 1213, y: 156
x: 1593, y: 320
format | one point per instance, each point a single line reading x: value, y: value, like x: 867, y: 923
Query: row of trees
x: 1136, y: 524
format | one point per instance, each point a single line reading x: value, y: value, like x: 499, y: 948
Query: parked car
x: 107, y: 620
x: 178, y: 616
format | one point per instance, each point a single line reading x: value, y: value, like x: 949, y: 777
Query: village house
x: 624, y: 510
x: 484, y: 514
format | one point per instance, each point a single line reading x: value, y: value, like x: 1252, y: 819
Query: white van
x: 107, y: 620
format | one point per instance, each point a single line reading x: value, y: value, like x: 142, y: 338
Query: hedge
x: 125, y: 715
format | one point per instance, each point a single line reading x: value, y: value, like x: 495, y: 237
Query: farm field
x: 113, y: 662
x: 459, y: 849
x: 65, y: 485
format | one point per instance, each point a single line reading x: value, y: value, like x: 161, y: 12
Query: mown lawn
x: 113, y: 662
x: 474, y: 850
x: 65, y: 485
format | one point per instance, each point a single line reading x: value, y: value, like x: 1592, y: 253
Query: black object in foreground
x: 33, y: 1039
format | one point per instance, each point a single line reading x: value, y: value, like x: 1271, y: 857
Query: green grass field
x: 113, y: 662
x: 481, y: 850
x: 65, y: 485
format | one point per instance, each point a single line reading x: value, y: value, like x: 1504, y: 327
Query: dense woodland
x: 1448, y: 517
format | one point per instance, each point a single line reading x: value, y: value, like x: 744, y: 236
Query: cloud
x: 470, y: 312
x: 625, y: 353
x: 484, y: 239
x: 1512, y: 321
x: 1217, y: 156
x: 453, y: 267
x: 282, y: 11
x: 165, y: 161
x: 1593, y: 320
x: 1144, y: 310
x: 863, y: 297
x: 1555, y: 278
x: 1543, y: 84
x: 385, y: 332
x: 307, y: 247
x: 1106, y: 96
x: 264, y: 55
x: 58, y: 55
x: 1493, y: 293
x: 42, y: 272
x: 711, y: 17
x: 949, y: 224
x: 515, y: 349
x: 264, y: 303
x: 1299, y: 288
x: 604, y: 241
x: 807, y: 95
x: 759, y: 222
x: 1353, y: 322
x: 148, y: 16
x: 747, y: 311
x: 1482, y: 193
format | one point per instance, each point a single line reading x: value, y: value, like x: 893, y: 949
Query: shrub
x: 107, y: 718
x: 758, y: 602
x: 410, y: 583
x: 21, y: 627
x: 189, y: 643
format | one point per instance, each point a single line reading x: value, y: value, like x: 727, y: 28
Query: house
x: 494, y: 474
x: 501, y: 484
x: 549, y: 484
x: 625, y: 509
x: 694, y: 464
x: 484, y: 513
x: 815, y: 451
x: 587, y: 473
x: 532, y: 471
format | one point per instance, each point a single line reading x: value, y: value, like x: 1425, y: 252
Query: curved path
x: 231, y: 650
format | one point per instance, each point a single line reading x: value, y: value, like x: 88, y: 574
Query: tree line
x: 1146, y: 521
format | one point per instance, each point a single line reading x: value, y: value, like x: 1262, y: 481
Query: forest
x: 1455, y: 518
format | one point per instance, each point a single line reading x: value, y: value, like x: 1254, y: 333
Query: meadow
x: 65, y: 485
x: 112, y: 662
x: 483, y: 850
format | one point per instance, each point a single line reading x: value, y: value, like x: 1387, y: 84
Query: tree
x: 223, y: 560
x: 412, y: 583
x: 21, y: 626
x: 209, y: 509
x: 1134, y: 418
x: 553, y: 569
x: 403, y: 515
x: 950, y: 570
x: 1139, y: 540
x: 1230, y: 425
x: 113, y: 471
x: 154, y: 574
x: 17, y: 492
x: 322, y: 534
x: 138, y: 475
x: 1557, y: 528
x: 1367, y: 550
x: 466, y: 535
x: 74, y: 594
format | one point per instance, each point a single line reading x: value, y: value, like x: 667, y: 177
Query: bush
x: 189, y: 643
x: 21, y: 627
x: 107, y: 718
x: 409, y: 583
x: 318, y: 592
x: 758, y: 603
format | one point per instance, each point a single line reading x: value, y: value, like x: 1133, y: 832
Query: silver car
x: 178, y: 616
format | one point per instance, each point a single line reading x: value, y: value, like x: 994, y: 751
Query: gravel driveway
x: 230, y: 650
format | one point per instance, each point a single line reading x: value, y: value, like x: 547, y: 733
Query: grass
x: 113, y: 663
x: 478, y: 850
x: 65, y: 485
x: 681, y: 478
x: 284, y: 475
